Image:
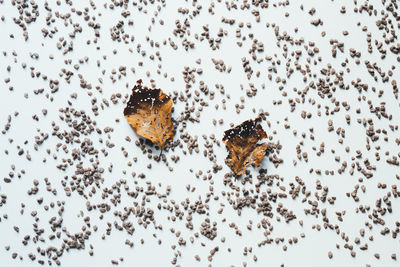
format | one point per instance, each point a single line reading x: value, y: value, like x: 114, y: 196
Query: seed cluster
x: 322, y: 79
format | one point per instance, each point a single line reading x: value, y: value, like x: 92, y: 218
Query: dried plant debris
x: 242, y: 144
x: 149, y: 113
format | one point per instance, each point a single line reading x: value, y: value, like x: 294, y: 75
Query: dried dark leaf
x: 241, y: 142
x: 149, y: 113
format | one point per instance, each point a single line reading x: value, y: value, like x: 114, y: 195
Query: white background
x: 310, y: 251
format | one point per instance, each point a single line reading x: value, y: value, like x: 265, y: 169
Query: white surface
x: 310, y: 251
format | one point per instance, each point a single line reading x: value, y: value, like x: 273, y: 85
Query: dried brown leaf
x: 149, y: 112
x: 241, y: 142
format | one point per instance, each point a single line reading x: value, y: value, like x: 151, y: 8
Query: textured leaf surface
x: 242, y: 145
x: 149, y: 113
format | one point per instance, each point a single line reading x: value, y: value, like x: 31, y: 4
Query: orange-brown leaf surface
x: 149, y: 113
x: 241, y: 142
